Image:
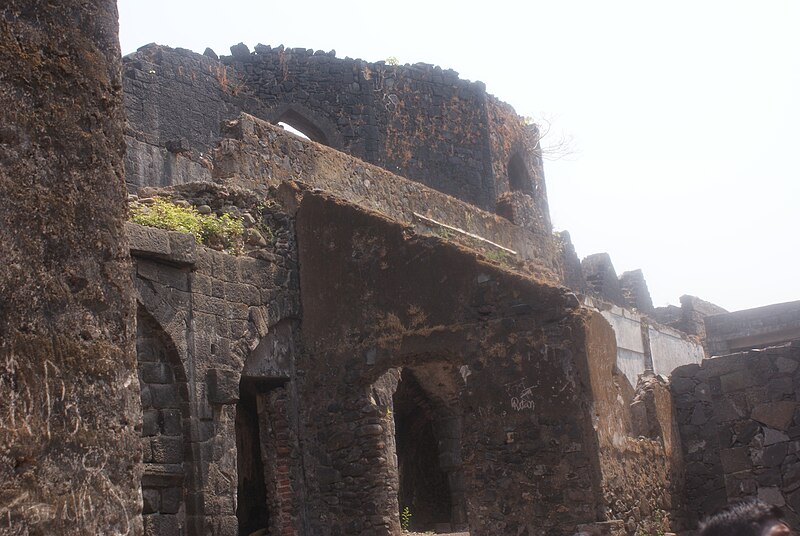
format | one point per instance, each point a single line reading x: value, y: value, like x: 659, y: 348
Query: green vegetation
x: 391, y: 60
x: 222, y: 232
x: 405, y: 518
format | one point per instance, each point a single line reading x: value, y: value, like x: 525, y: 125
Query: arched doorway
x: 427, y: 429
x: 163, y: 393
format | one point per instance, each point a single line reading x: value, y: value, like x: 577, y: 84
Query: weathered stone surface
x: 776, y: 415
x: 68, y: 391
x: 744, y: 451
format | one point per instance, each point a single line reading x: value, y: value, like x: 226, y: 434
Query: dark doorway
x: 424, y: 487
x: 252, y: 510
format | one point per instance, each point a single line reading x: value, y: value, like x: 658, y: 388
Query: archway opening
x: 252, y: 509
x: 163, y: 395
x: 424, y: 486
x: 299, y: 125
x: 519, y: 180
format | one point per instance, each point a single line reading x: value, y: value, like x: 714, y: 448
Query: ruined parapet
x: 601, y: 278
x: 69, y: 402
x: 419, y: 121
x: 255, y: 154
x: 635, y: 291
x: 690, y: 316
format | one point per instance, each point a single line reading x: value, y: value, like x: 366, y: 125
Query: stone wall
x: 494, y: 355
x: 644, y: 346
x: 419, y: 121
x: 636, y: 441
x: 68, y: 389
x: 216, y: 345
x: 255, y: 154
x: 753, y: 328
x: 740, y: 425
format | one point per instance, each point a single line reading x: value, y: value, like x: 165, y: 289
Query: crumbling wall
x: 495, y: 352
x: 68, y: 390
x: 241, y: 159
x: 635, y: 440
x: 740, y: 425
x: 226, y: 327
x: 419, y: 121
x: 517, y: 165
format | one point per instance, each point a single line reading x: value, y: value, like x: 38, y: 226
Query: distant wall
x: 753, y: 328
x: 740, y: 425
x: 643, y: 345
x: 419, y: 121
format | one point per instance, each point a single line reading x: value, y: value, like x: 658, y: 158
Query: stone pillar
x: 69, y: 395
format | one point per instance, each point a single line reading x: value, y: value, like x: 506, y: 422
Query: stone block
x: 735, y: 381
x: 155, y: 372
x: 151, y: 500
x: 774, y: 436
x: 771, y: 495
x: 171, y: 422
x: 164, y: 396
x: 150, y: 422
x: 160, y: 524
x: 167, y: 449
x: 778, y: 415
x: 774, y: 455
x: 223, y: 386
x: 167, y: 275
x: 171, y: 499
x: 735, y: 459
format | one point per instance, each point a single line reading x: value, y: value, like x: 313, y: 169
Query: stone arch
x: 165, y: 421
x: 421, y: 399
x: 519, y: 178
x: 317, y: 127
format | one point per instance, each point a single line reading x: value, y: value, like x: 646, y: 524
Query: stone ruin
x: 402, y: 330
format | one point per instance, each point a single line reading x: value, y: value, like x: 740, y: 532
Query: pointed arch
x: 313, y: 125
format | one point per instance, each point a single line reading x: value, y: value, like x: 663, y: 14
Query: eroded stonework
x: 401, y: 331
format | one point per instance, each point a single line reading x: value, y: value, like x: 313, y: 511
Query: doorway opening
x: 424, y: 491
x: 252, y: 508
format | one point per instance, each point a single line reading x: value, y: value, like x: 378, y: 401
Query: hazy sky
x: 685, y: 114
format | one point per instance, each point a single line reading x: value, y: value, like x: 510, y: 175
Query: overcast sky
x: 685, y: 114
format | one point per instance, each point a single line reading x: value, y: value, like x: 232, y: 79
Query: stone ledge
x: 169, y: 246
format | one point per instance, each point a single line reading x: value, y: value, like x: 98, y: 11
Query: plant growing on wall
x: 221, y: 232
x: 405, y: 518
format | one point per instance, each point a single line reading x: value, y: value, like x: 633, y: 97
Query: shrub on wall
x: 219, y: 232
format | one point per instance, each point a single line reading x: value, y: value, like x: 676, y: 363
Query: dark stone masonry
x: 399, y: 342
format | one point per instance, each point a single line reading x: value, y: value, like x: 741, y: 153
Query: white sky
x: 685, y: 114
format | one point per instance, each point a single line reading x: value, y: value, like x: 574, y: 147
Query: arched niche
x: 164, y: 396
